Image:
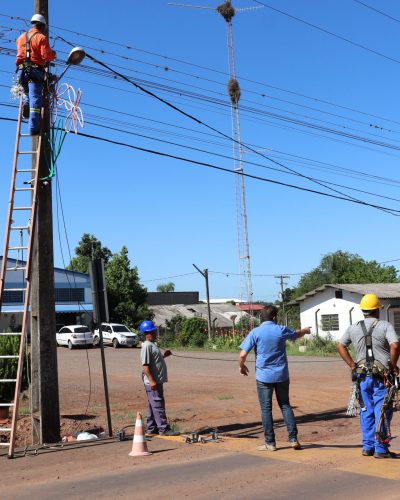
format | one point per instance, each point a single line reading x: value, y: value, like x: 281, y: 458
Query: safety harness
x: 27, y: 65
x: 369, y: 366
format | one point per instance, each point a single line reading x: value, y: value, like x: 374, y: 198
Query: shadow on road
x: 255, y: 429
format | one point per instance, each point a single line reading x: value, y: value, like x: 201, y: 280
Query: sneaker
x: 170, y: 433
x: 152, y: 431
x: 367, y: 453
x: 25, y: 111
x: 388, y: 454
x: 295, y: 445
x: 267, y: 447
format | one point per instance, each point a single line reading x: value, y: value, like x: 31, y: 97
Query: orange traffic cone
x: 139, y: 445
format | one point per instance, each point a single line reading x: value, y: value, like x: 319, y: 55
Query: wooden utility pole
x: 205, y: 276
x: 281, y: 277
x: 44, y: 382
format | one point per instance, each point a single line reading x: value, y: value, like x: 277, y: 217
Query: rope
x: 253, y: 361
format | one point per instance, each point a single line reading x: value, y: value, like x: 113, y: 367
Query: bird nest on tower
x: 226, y: 10
x: 234, y: 90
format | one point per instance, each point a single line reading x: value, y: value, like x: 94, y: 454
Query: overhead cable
x: 331, y: 33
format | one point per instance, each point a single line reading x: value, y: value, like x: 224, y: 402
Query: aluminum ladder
x: 22, y: 208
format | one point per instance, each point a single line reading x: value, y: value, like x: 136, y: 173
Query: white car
x: 74, y: 336
x: 116, y: 335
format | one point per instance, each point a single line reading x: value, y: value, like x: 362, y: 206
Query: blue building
x: 73, y: 298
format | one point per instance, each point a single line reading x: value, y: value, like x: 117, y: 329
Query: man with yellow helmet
x: 377, y: 352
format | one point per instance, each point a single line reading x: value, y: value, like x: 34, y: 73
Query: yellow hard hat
x: 370, y: 302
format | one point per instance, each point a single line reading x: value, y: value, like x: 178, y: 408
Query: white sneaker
x: 295, y: 445
x: 267, y: 447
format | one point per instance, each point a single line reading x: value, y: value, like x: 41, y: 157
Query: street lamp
x: 75, y: 57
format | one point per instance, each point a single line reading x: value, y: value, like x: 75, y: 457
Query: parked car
x: 74, y: 336
x: 116, y: 335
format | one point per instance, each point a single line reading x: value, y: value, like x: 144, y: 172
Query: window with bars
x: 396, y: 321
x: 329, y: 322
x: 13, y: 297
x: 70, y: 294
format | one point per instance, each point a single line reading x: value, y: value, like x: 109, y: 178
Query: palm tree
x: 166, y: 287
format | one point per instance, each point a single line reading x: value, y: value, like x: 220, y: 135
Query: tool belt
x: 375, y: 370
x: 28, y: 64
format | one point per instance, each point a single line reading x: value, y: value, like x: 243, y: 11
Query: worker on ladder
x: 33, y: 55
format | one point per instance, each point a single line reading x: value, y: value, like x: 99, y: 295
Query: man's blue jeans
x: 265, y: 392
x: 32, y: 83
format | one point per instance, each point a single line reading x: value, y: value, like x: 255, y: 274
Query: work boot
x: 295, y: 445
x: 25, y: 110
x: 388, y: 454
x: 267, y: 447
x: 170, y: 432
x: 152, y: 431
x: 367, y: 453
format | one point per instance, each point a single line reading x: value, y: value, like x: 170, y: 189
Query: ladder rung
x: 16, y: 269
x: 27, y: 152
x: 18, y: 248
x: 22, y: 208
x: 7, y: 380
x: 27, y: 170
x: 7, y: 404
x: 15, y: 289
x: 5, y: 429
x: 5, y: 444
x: 25, y: 135
x: 19, y: 228
x: 23, y: 189
x: 9, y: 356
x: 9, y: 334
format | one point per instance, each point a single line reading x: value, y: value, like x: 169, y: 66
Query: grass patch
x: 222, y: 397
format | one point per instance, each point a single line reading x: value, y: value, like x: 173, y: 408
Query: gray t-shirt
x: 152, y: 356
x: 382, y: 336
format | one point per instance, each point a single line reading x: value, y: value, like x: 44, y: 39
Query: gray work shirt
x: 151, y: 355
x: 382, y: 336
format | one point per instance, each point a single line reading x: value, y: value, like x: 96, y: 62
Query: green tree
x: 126, y: 296
x: 344, y: 267
x: 89, y: 247
x: 166, y: 287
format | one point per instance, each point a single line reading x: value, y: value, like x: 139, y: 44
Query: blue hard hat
x: 147, y: 326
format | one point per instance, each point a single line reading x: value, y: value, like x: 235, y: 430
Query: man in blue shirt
x: 272, y: 372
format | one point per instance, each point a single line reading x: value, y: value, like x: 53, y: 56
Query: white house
x: 331, y: 308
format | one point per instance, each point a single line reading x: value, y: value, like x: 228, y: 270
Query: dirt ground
x: 204, y: 390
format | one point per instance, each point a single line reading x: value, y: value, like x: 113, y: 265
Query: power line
x: 392, y: 211
x: 189, y: 63
x: 200, y: 122
x: 247, y: 162
x: 331, y: 33
x: 378, y: 11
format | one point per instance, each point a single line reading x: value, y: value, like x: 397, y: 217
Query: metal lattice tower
x: 227, y: 11
x: 246, y: 286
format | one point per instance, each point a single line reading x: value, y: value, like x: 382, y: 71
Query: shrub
x: 9, y: 345
x: 192, y: 332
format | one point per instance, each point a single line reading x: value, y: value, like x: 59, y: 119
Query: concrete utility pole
x: 205, y: 275
x: 44, y: 388
x: 281, y: 277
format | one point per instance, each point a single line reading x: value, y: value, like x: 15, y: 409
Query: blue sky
x: 170, y: 213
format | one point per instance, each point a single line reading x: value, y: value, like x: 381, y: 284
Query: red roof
x: 246, y: 307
